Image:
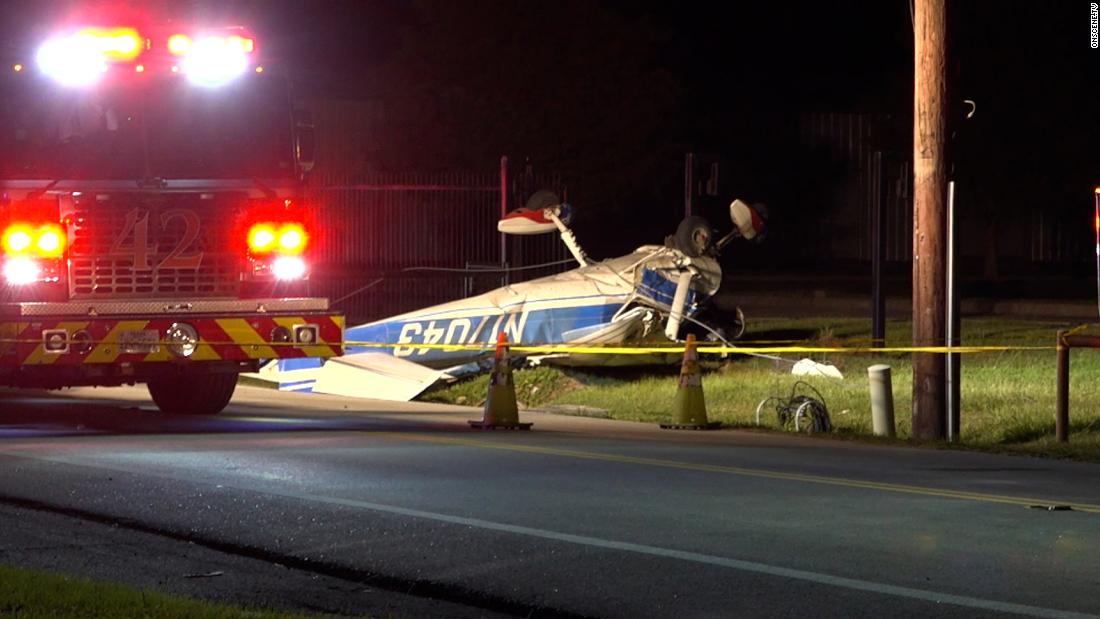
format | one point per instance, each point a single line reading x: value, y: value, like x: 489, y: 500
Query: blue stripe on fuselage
x: 539, y: 326
x: 663, y: 290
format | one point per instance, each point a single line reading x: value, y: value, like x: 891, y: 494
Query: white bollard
x: 882, y: 400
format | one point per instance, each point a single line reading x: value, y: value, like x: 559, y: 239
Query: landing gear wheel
x: 694, y: 236
x: 724, y: 326
x: 188, y: 394
x: 737, y: 328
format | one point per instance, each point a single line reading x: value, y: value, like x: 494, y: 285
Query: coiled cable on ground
x: 803, y: 410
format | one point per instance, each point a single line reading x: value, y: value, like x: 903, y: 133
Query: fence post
x: 1061, y: 415
x: 689, y: 182
x: 878, y: 252
x: 503, y: 212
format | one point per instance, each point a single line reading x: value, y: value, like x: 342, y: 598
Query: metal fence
x: 394, y: 242
x: 841, y: 181
x: 843, y: 178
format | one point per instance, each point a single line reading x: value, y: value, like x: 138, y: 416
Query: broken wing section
x: 362, y: 375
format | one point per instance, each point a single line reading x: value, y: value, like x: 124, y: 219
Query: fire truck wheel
x: 205, y: 394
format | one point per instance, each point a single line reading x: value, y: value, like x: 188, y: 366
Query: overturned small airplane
x: 653, y: 294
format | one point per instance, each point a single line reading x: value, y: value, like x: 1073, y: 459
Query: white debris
x: 809, y: 367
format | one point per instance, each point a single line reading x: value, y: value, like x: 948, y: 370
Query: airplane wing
x: 374, y: 375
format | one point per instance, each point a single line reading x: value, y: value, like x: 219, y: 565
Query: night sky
x: 612, y: 94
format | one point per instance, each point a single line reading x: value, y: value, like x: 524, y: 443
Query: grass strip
x: 1008, y: 397
x: 35, y: 594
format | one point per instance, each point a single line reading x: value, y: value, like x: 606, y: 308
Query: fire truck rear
x: 153, y: 229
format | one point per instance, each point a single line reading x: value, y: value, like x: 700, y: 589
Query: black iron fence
x: 390, y: 243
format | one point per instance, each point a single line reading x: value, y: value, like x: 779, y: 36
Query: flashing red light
x: 139, y: 68
x: 50, y: 241
x: 261, y: 238
x: 292, y: 239
x: 17, y: 239
x: 286, y: 239
x: 45, y: 241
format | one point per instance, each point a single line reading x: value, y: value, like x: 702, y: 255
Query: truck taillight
x: 17, y: 240
x: 32, y: 252
x: 275, y: 249
x: 292, y: 239
x: 287, y: 238
x: 50, y: 242
x: 43, y: 241
x: 261, y: 238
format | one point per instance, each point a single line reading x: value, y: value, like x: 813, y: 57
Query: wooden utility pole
x: 929, y: 216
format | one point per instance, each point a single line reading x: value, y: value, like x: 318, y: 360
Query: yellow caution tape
x: 679, y: 349
x: 600, y: 350
x: 200, y: 343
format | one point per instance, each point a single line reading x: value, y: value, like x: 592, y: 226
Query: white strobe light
x: 72, y: 61
x: 21, y: 271
x: 288, y: 267
x: 215, y: 61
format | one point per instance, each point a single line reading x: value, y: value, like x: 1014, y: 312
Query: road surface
x: 349, y: 506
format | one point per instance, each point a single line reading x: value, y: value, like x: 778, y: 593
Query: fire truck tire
x: 205, y: 394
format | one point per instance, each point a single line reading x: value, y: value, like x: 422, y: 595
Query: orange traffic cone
x: 500, y: 405
x: 689, y: 410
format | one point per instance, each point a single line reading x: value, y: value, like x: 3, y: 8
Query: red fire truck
x: 152, y: 225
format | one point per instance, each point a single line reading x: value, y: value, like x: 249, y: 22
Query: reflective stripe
x: 231, y: 339
x: 252, y: 344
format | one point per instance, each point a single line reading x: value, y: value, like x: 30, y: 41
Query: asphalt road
x: 349, y: 506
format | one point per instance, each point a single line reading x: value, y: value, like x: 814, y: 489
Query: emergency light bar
x: 81, y: 58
